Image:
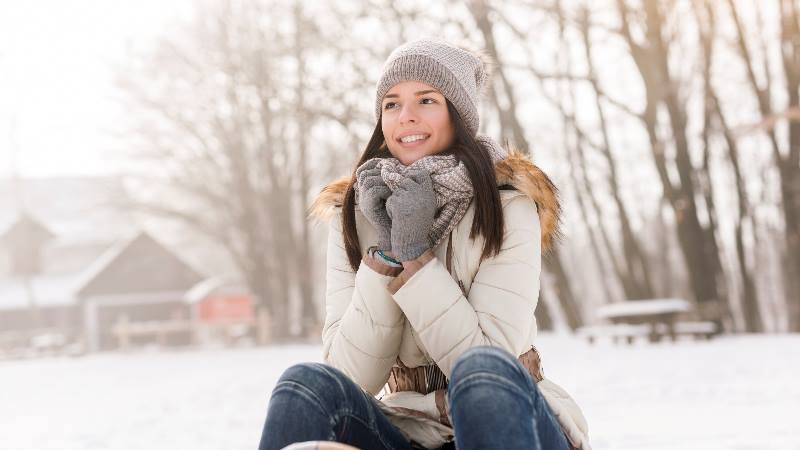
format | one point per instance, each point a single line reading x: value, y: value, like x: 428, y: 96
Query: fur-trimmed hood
x: 515, y: 170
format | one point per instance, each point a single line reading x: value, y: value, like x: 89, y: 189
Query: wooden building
x: 136, y: 281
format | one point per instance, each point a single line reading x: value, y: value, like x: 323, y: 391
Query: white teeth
x: 413, y: 137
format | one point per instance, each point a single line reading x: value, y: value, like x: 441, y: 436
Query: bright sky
x: 57, y: 105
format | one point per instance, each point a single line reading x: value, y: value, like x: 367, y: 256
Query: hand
x: 373, y: 193
x: 412, y: 209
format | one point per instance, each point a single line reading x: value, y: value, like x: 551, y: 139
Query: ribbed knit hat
x: 459, y: 74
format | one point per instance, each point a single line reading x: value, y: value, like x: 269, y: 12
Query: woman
x: 433, y: 264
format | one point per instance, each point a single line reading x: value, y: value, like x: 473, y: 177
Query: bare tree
x: 786, y: 159
x: 713, y: 114
x: 650, y: 51
x: 634, y: 271
x: 510, y: 121
x: 237, y: 130
x: 233, y: 141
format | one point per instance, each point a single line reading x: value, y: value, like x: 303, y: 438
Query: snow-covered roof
x: 28, y: 226
x: 223, y: 284
x: 643, y: 307
x: 48, y: 291
x: 73, y: 208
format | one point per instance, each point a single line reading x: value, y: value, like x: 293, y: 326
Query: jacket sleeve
x: 363, y: 325
x: 502, y: 298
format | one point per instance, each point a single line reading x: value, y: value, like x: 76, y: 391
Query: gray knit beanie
x: 459, y: 74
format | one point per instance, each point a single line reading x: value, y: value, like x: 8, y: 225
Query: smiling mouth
x: 413, y: 139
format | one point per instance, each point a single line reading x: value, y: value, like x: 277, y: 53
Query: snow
x: 48, y: 290
x: 643, y: 307
x: 76, y: 209
x: 736, y: 392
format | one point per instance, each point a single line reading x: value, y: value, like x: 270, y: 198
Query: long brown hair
x: 488, y: 220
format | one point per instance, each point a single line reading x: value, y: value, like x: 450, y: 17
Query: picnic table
x: 654, y: 318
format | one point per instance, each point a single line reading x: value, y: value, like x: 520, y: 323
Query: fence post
x: 263, y: 326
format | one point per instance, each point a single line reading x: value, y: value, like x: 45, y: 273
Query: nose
x: 407, y: 115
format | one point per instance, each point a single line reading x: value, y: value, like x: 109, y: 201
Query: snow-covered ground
x: 730, y: 393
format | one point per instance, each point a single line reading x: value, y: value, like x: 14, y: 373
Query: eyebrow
x: 415, y: 93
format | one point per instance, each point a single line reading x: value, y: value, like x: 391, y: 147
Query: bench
x: 629, y: 332
x: 659, y: 314
x: 705, y: 330
x: 614, y: 332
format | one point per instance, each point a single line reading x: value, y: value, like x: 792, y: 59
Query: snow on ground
x: 731, y: 393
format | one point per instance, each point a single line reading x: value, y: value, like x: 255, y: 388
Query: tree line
x: 671, y: 128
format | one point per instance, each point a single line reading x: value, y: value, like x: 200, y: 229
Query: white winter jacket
x: 430, y: 320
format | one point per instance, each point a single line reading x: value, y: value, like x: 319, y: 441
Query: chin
x: 409, y: 161
x: 408, y: 158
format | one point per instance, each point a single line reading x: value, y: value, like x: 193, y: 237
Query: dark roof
x: 139, y: 265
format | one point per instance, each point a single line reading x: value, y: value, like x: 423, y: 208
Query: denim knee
x: 323, y: 383
x: 488, y: 360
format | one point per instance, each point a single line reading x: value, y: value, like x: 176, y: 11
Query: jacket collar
x: 515, y: 170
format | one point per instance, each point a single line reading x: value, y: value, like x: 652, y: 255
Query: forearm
x: 409, y: 269
x: 448, y: 323
x: 365, y: 341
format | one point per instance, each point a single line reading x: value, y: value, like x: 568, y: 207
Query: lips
x: 412, y: 138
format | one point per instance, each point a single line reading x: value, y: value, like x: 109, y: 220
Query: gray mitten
x: 412, y: 209
x: 372, y: 193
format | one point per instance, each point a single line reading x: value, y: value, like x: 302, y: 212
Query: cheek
x: 386, y: 127
x: 440, y: 121
x: 444, y: 129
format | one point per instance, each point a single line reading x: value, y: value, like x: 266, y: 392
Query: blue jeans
x: 316, y: 402
x: 494, y: 404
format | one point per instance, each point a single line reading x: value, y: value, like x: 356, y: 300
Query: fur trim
x: 518, y: 171
x: 330, y: 198
x: 515, y: 170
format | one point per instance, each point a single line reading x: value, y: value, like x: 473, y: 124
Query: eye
x: 432, y: 101
x: 389, y: 105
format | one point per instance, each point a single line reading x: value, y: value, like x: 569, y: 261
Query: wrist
x: 379, y: 265
x: 381, y: 258
x: 387, y: 258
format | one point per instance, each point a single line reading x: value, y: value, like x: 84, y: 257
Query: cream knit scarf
x: 451, y: 184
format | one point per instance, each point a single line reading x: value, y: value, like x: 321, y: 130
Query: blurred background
x: 158, y: 270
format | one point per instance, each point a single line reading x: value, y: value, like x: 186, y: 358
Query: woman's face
x: 415, y: 121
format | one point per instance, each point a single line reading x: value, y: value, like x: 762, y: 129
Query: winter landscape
x: 158, y: 162
x: 737, y: 393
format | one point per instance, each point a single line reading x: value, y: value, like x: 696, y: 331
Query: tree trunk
x: 635, y: 262
x: 309, y: 319
x: 789, y: 165
x: 479, y: 11
x: 566, y: 299
x: 580, y: 188
x: 700, y: 253
x: 707, y: 25
x: 544, y: 321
